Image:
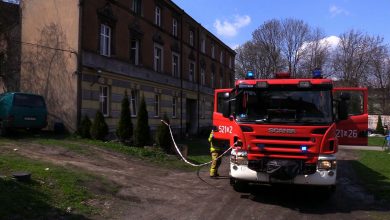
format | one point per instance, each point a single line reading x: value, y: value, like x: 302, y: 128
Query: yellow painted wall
x: 49, y: 26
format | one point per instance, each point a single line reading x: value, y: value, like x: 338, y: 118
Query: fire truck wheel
x: 239, y: 186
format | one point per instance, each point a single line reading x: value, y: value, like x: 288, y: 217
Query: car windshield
x: 281, y: 106
x: 25, y: 100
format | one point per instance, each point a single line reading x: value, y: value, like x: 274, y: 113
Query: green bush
x: 379, y: 127
x: 85, y: 127
x: 142, y: 130
x: 125, y: 127
x: 99, y: 129
x: 163, y: 137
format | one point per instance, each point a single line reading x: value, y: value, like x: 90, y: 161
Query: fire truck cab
x: 286, y: 130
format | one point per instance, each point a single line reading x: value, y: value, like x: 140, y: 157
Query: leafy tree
x: 125, y: 127
x: 99, y: 129
x: 85, y: 127
x: 142, y: 130
x: 163, y: 137
x: 379, y: 127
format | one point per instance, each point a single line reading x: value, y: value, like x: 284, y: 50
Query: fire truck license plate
x: 274, y: 180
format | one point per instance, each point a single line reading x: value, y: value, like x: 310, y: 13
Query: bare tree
x: 353, y: 57
x: 268, y: 40
x: 295, y: 33
x: 315, y: 54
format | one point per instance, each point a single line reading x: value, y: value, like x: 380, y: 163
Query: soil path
x: 150, y: 192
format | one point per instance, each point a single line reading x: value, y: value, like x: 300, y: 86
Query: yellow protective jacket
x: 212, y: 147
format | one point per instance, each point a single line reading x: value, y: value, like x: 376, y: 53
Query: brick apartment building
x: 82, y: 55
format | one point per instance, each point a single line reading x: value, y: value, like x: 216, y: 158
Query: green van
x: 22, y: 110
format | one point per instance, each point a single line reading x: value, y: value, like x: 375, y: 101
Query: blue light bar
x: 304, y: 148
x: 317, y: 74
x: 250, y: 75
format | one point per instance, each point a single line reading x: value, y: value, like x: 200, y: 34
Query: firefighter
x: 215, y: 152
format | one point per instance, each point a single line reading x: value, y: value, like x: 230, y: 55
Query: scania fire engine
x: 286, y: 130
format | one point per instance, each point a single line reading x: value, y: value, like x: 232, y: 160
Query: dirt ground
x: 150, y: 192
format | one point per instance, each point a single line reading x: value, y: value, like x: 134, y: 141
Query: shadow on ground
x: 20, y: 201
x: 349, y: 196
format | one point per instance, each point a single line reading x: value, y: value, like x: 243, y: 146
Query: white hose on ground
x: 182, y: 157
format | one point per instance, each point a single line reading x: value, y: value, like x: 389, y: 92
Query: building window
x: 221, y: 57
x: 133, y: 102
x: 158, y: 58
x: 230, y: 62
x: 191, y: 40
x: 104, y: 100
x: 175, y: 65
x: 136, y: 7
x: 212, y: 50
x: 212, y: 79
x: 134, y: 51
x: 105, y: 40
x: 174, y: 27
x: 221, y: 81
x: 157, y: 16
x: 202, y: 76
x: 156, y: 105
x: 2, y: 64
x: 191, y: 76
x: 203, y: 45
x: 202, y: 108
x: 174, y: 107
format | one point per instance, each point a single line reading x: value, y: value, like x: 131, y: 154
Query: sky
x: 233, y: 21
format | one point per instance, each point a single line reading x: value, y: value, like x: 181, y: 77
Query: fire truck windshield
x: 284, y: 106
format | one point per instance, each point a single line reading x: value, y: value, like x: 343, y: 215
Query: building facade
x: 9, y: 47
x: 84, y: 54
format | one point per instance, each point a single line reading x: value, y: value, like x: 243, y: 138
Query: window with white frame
x: 157, y: 105
x: 203, y: 45
x: 136, y: 6
x: 104, y: 100
x: 158, y: 58
x: 174, y: 107
x: 175, y: 65
x: 191, y: 40
x: 174, y: 27
x: 202, y: 76
x: 134, y: 102
x: 105, y: 40
x: 157, y: 16
x: 221, y: 57
x: 134, y: 51
x: 212, y: 50
x: 191, y: 76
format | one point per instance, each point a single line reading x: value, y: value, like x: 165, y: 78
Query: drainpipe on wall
x: 79, y: 65
x: 181, y: 75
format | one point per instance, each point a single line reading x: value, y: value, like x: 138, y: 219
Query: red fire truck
x: 286, y: 130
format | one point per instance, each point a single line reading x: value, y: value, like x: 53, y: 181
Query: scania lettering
x: 286, y: 130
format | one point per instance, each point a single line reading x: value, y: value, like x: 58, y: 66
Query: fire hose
x: 181, y: 155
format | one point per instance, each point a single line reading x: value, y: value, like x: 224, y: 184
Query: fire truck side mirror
x: 226, y: 105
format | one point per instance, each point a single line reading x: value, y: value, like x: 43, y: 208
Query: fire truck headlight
x: 304, y: 84
x: 327, y: 165
x: 240, y: 158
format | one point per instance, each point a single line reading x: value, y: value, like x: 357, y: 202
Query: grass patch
x: 375, y: 141
x: 50, y: 192
x: 374, y: 172
x: 198, y: 149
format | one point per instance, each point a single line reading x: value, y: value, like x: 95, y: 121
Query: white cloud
x: 230, y: 28
x: 330, y: 42
x: 335, y: 10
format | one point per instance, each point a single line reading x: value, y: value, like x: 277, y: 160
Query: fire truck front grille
x: 261, y: 166
x: 278, y: 138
